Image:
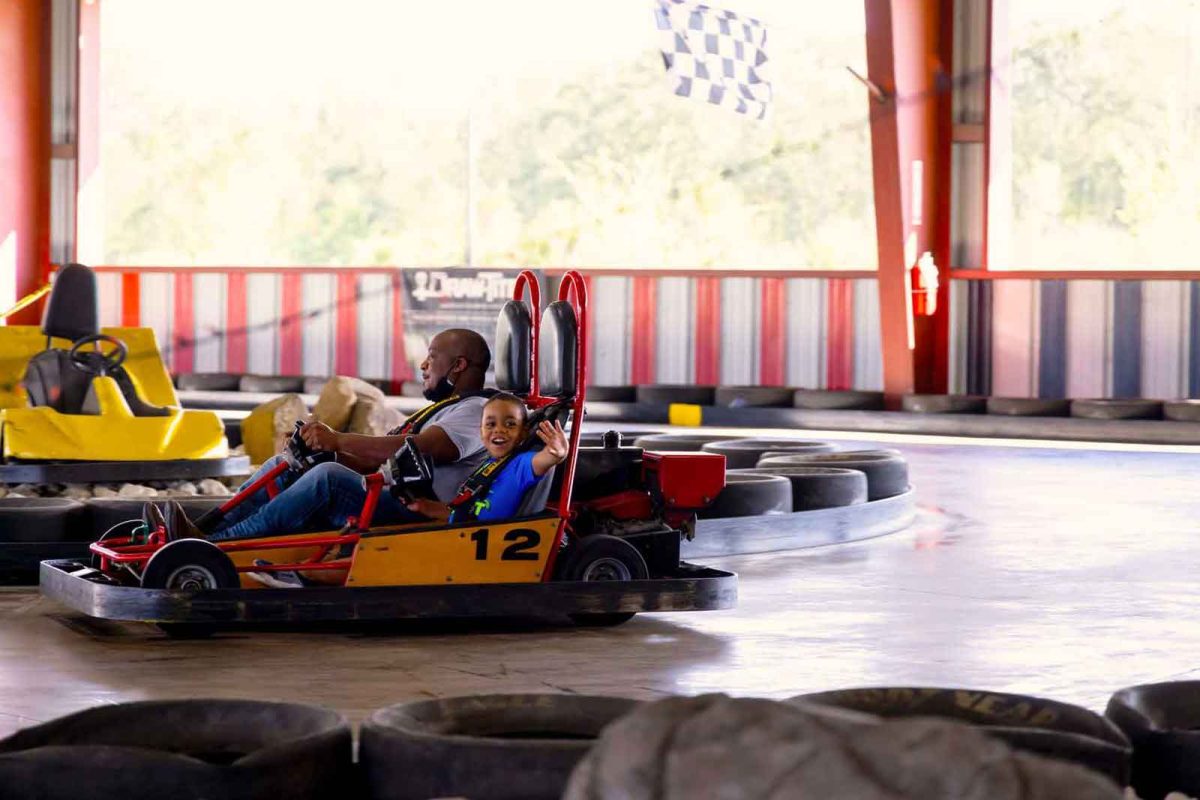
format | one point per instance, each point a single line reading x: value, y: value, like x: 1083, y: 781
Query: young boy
x: 502, y: 428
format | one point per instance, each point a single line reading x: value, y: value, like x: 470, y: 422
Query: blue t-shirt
x: 508, y: 489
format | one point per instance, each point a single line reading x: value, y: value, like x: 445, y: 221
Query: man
x: 326, y: 495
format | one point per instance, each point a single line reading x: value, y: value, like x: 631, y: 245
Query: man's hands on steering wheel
x: 94, y: 361
x: 320, y: 436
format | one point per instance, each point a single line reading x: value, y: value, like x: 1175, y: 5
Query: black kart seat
x: 556, y: 351
x: 51, y: 378
x: 514, y: 338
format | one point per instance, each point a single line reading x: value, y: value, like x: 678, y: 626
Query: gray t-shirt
x: 461, y: 423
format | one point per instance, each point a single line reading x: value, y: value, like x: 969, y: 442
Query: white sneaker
x: 286, y: 579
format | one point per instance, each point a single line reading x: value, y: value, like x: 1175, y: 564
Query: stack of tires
x: 780, y: 476
x: 843, y: 743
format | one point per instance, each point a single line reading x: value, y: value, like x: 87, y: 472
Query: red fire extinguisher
x: 924, y: 280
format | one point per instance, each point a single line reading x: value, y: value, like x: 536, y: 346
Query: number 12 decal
x: 523, y: 543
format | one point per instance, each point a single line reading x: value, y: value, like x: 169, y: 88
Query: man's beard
x: 443, y: 389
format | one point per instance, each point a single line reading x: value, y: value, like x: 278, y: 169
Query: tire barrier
x: 627, y: 438
x: 612, y: 394
x: 744, y: 453
x: 818, y: 487
x: 236, y: 749
x: 207, y: 382
x: 681, y: 442
x: 313, y: 384
x: 665, y: 394
x: 486, y: 747
x: 718, y: 746
x: 1117, y: 409
x: 42, y: 519
x: 271, y: 384
x: 1028, y: 407
x: 829, y: 399
x: 751, y: 495
x: 1182, y: 410
x: 1163, y: 722
x: 753, y: 396
x: 105, y: 512
x: 1045, y: 727
x: 886, y: 470
x: 944, y: 403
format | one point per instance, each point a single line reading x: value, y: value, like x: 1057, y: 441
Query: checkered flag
x: 714, y: 56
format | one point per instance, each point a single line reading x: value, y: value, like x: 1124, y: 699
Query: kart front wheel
x: 190, y: 565
x: 601, y: 557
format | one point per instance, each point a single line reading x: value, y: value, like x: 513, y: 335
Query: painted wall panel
x: 1164, y: 345
x: 373, y: 325
x: 156, y: 290
x: 868, y: 349
x: 739, y: 331
x: 1014, y: 339
x: 610, y: 349
x: 675, y: 354
x: 1088, y: 310
x: 209, y: 294
x: 316, y: 294
x: 806, y: 332
x: 262, y: 316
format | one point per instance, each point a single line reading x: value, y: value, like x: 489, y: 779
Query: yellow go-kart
x: 73, y: 394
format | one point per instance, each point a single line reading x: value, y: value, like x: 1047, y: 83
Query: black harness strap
x: 413, y: 425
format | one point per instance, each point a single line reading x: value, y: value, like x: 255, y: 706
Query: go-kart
x: 600, y: 560
x: 73, y: 394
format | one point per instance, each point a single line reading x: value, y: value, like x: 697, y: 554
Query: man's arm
x: 366, y: 453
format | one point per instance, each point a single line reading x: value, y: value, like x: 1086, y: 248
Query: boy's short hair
x: 509, y: 397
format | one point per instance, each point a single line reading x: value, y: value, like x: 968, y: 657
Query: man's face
x: 502, y: 427
x: 441, y: 359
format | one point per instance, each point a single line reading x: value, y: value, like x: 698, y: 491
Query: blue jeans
x: 322, y: 498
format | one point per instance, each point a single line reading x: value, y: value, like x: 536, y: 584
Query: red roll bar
x: 528, y: 280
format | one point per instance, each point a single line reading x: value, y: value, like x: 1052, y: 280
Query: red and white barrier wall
x: 816, y: 332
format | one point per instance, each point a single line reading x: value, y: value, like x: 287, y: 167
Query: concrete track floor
x: 1066, y: 573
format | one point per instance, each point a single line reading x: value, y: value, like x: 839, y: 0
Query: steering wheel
x: 94, y: 361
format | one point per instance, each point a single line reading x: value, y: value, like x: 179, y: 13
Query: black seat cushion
x: 73, y: 308
x: 51, y: 379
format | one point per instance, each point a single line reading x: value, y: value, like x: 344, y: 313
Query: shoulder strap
x: 414, y: 424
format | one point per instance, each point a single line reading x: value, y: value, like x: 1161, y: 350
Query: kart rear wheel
x: 601, y: 557
x: 190, y: 565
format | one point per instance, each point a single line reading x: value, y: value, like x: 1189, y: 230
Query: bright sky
x: 434, y: 52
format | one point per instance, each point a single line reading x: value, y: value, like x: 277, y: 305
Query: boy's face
x: 502, y: 427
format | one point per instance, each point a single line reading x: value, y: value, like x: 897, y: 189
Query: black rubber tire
x: 944, y: 403
x: 207, y: 382
x: 815, y: 488
x: 886, y: 471
x: 664, y: 394
x: 744, y: 453
x: 680, y: 442
x: 271, y: 384
x: 42, y: 519
x: 235, y: 749
x: 602, y: 557
x: 1046, y: 727
x: 836, y: 399
x: 1182, y: 410
x: 1028, y: 406
x: 612, y: 394
x: 190, y: 565
x: 1162, y: 720
x: 750, y: 496
x: 105, y: 512
x: 486, y: 747
x: 1113, y: 408
x: 753, y: 396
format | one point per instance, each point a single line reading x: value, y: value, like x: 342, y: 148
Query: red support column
x: 24, y: 152
x: 904, y: 60
x: 131, y: 300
